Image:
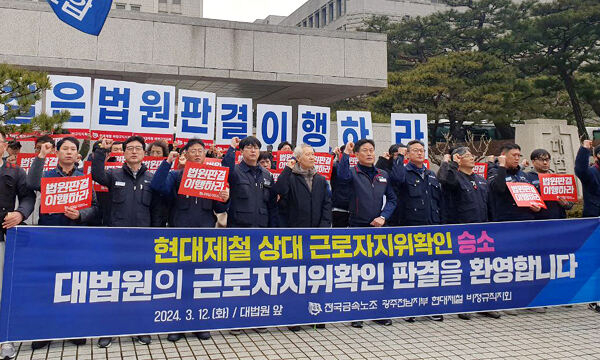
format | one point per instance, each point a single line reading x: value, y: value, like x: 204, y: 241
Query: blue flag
x: 85, y: 15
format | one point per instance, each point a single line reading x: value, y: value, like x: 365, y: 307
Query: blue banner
x: 84, y: 15
x: 89, y: 282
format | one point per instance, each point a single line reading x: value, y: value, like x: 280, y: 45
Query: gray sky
x: 248, y: 10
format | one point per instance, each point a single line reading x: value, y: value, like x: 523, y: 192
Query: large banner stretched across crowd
x: 89, y: 282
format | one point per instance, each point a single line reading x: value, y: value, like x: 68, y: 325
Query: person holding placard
x: 67, y: 153
x: 133, y: 202
x: 590, y: 178
x: 540, y: 159
x: 503, y: 206
x: 187, y: 211
x: 372, y: 200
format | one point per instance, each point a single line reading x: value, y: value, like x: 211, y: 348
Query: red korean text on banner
x: 353, y: 160
x: 426, y: 162
x: 24, y: 161
x: 153, y: 162
x: 203, y: 181
x: 281, y: 158
x: 60, y: 192
x: 212, y: 162
x: 275, y: 173
x: 87, y: 169
x: 481, y: 169
x: 324, y: 164
x: 150, y: 138
x: 525, y: 195
x: 553, y: 186
x: 113, y: 135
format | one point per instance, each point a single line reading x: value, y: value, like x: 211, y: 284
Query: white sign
x: 407, y: 127
x: 234, y: 119
x: 273, y: 124
x: 314, y: 127
x: 196, y: 115
x: 353, y: 126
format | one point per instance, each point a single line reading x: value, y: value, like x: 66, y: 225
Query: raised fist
x: 291, y: 163
x: 172, y: 156
x: 446, y: 158
x: 587, y: 144
x: 349, y: 149
x: 235, y: 142
x: 502, y: 160
x: 45, y: 150
x: 107, y: 143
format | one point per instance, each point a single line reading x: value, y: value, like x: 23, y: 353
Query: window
x: 331, y: 12
x: 317, y: 20
x: 135, y: 7
x: 120, y: 6
x: 339, y: 8
x: 310, y: 22
x: 324, y: 16
x: 304, y: 23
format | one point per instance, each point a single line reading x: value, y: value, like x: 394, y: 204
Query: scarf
x: 308, y: 175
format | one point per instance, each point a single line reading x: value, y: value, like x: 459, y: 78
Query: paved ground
x: 560, y: 333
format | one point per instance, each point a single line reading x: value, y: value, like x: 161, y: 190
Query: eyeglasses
x: 134, y: 148
x: 543, y: 159
x: 195, y: 151
x: 418, y: 151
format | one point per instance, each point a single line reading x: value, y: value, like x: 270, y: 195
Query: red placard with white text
x: 60, y: 192
x: 554, y: 185
x: 203, y: 181
x: 212, y: 162
x: 281, y: 158
x: 238, y: 157
x: 324, y: 164
x: 275, y: 173
x: 481, y: 169
x: 525, y: 195
x: 24, y: 161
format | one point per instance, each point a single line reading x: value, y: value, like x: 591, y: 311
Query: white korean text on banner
x: 234, y: 119
x: 195, y: 116
x: 72, y: 94
x: 313, y: 127
x: 353, y: 126
x: 273, y: 124
x: 407, y: 127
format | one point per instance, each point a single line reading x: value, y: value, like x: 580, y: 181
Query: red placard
x: 275, y: 173
x: 353, y: 160
x: 153, y: 162
x: 60, y: 192
x: 238, y: 157
x: 525, y: 195
x: 481, y: 169
x: 324, y: 164
x: 203, y: 181
x: 554, y: 185
x: 212, y: 162
x: 87, y: 169
x: 426, y: 162
x: 25, y: 161
x: 281, y: 158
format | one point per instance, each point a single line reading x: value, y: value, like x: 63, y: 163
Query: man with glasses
x: 540, y: 159
x: 466, y: 194
x: 503, y: 206
x: 187, y: 211
x: 13, y: 185
x: 133, y: 202
x: 420, y: 192
x: 371, y: 198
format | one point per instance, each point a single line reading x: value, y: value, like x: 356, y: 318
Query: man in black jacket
x: 133, y: 202
x: 12, y: 186
x: 540, y: 159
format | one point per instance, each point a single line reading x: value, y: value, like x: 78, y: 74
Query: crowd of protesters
x: 396, y: 189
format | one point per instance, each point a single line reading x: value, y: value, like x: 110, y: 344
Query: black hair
x: 14, y: 144
x: 132, y: 139
x: 45, y: 139
x: 412, y: 142
x: 538, y: 153
x: 264, y: 155
x: 393, y: 149
x: 362, y: 142
x: 281, y: 145
x: 193, y: 142
x: 508, y: 147
x: 597, y: 150
x: 162, y: 145
x: 461, y: 150
x: 69, y: 139
x: 250, y: 141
